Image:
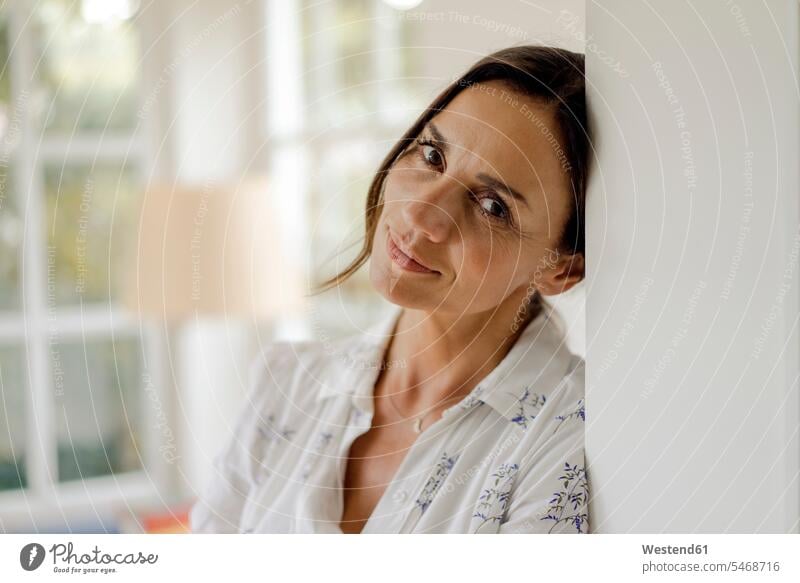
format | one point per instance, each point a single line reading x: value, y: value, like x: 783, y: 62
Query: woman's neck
x: 437, y: 355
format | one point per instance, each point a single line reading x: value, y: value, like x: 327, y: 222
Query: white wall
x: 692, y: 283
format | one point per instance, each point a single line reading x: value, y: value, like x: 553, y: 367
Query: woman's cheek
x: 479, y: 264
x: 399, y: 180
x: 493, y: 265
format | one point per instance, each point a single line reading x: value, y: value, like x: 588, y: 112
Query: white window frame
x: 46, y: 503
x: 295, y: 144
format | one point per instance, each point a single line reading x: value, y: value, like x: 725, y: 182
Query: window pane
x: 339, y: 194
x: 97, y: 410
x: 402, y: 95
x: 89, y: 65
x: 13, y: 389
x: 353, y: 35
x: 5, y: 78
x: 90, y: 218
x: 337, y: 40
x: 10, y: 241
x: 360, y: 64
x: 318, y: 80
x: 10, y: 227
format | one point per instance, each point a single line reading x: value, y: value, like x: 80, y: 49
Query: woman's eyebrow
x: 438, y: 139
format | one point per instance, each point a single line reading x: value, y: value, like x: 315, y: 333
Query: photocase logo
x: 67, y: 560
x: 31, y: 556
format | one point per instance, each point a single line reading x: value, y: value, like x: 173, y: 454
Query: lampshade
x: 211, y: 249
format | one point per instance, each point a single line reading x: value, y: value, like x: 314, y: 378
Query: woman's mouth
x: 405, y: 261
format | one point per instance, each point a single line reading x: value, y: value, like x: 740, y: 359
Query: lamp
x: 211, y: 250
x: 207, y: 260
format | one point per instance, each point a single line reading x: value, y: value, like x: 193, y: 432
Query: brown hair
x: 552, y: 75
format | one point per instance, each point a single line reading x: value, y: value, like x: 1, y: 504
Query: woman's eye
x: 431, y: 155
x: 493, y: 207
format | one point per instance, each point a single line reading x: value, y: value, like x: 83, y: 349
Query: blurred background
x: 174, y: 176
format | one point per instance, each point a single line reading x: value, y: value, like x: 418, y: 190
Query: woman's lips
x: 404, y: 261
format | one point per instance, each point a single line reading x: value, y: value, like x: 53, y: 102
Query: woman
x: 463, y: 411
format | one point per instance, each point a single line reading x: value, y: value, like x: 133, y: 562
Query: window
x: 331, y: 124
x: 72, y: 361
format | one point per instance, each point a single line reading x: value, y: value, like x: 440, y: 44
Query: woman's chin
x: 400, y: 290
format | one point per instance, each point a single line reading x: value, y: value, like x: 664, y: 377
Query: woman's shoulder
x: 298, y: 369
x: 572, y: 386
x: 575, y: 374
x: 306, y: 356
x: 563, y: 400
x: 558, y: 371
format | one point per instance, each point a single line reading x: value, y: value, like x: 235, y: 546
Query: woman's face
x: 479, y: 202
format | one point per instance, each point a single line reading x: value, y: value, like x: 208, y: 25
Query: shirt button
x: 400, y: 496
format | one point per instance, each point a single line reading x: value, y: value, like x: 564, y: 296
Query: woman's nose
x: 433, y: 209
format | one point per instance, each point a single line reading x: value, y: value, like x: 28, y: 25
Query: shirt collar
x: 534, y: 365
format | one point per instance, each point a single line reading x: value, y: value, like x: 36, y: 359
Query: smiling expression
x: 475, y: 206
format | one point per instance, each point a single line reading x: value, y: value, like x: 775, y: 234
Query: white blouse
x: 508, y: 458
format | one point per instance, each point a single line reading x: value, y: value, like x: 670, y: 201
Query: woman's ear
x: 561, y: 274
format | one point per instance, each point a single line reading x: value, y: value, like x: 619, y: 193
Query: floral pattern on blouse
x: 435, y: 481
x: 528, y: 406
x: 321, y: 441
x: 270, y: 432
x: 578, y: 413
x: 271, y: 435
x: 565, y: 504
x: 473, y: 398
x: 493, y: 501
